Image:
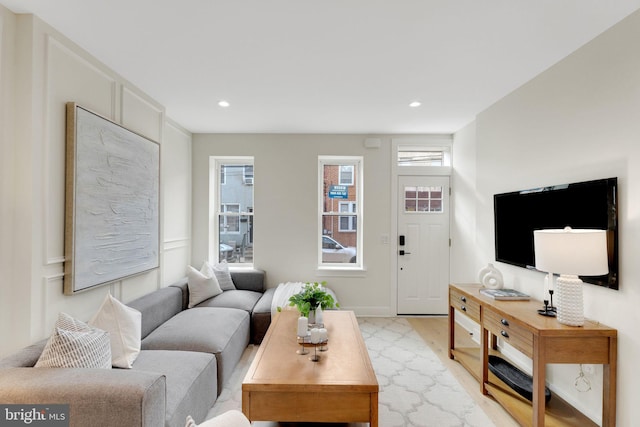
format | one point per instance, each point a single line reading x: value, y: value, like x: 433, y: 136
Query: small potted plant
x: 312, y: 296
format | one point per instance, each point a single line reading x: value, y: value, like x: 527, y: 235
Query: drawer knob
x: 463, y: 299
x: 505, y: 322
x: 463, y: 308
x: 504, y: 334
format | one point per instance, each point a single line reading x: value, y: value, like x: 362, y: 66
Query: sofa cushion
x: 227, y: 336
x: 96, y: 397
x: 124, y: 325
x: 191, y: 379
x: 74, y: 344
x: 242, y: 300
x: 245, y: 279
x: 157, y: 307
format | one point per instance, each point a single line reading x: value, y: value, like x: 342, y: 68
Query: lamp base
x: 569, y: 302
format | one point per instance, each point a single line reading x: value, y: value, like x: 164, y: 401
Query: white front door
x: 423, y: 244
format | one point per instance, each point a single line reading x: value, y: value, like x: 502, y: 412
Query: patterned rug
x: 416, y: 389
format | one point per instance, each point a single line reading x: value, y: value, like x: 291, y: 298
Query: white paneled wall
x: 7, y: 167
x: 175, y: 159
x: 49, y: 72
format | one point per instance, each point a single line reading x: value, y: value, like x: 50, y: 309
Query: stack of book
x: 504, y: 294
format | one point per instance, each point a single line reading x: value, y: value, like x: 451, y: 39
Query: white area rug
x: 416, y: 389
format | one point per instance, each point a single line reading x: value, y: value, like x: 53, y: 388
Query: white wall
x: 7, y: 183
x: 286, y: 203
x: 45, y: 70
x: 579, y: 120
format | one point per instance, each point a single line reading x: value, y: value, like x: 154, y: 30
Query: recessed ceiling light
x: 415, y: 104
x: 223, y: 103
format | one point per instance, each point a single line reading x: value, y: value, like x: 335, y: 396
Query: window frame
x: 224, y: 209
x: 426, y: 144
x: 218, y: 178
x: 357, y: 163
x: 351, y: 172
x: 351, y: 207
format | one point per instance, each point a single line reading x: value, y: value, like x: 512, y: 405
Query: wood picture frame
x: 112, y: 207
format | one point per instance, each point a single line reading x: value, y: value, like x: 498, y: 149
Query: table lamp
x: 570, y: 253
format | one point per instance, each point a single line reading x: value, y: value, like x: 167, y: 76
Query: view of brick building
x: 339, y: 189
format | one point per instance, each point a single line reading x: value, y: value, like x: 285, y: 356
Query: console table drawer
x: 467, y: 305
x: 510, y: 331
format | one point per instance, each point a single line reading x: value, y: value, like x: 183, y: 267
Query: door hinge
x: 449, y: 190
x: 449, y: 242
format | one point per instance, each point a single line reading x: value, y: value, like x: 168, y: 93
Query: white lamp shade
x: 568, y: 251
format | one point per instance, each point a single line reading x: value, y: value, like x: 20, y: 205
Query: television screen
x: 591, y: 205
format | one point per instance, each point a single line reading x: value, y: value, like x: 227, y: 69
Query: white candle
x: 315, y: 336
x: 303, y: 322
x: 323, y: 334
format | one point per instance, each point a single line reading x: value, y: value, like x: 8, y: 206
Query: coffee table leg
x: 373, y: 422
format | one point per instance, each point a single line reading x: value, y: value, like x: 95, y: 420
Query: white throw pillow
x: 221, y: 271
x: 124, y: 325
x: 74, y: 344
x: 230, y: 418
x: 202, y: 284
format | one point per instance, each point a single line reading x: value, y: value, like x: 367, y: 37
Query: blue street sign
x: 338, y: 192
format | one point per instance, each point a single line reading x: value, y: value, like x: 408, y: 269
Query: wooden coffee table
x: 282, y: 385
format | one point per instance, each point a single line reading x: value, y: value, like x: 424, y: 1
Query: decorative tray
x: 307, y: 341
x: 519, y: 381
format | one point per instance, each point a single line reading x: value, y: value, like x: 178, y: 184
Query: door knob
x: 402, y: 252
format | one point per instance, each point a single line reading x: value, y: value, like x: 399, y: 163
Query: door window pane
x: 423, y: 199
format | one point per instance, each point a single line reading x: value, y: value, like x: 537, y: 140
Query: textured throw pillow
x: 74, y: 344
x: 221, y: 270
x: 124, y: 325
x: 202, y: 284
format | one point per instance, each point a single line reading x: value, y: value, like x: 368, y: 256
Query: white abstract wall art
x: 112, y: 222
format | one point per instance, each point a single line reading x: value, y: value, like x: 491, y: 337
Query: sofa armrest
x: 96, y: 397
x: 261, y: 316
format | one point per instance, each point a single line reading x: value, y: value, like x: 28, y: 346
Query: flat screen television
x: 591, y: 205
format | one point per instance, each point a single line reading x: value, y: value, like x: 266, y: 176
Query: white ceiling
x: 330, y: 66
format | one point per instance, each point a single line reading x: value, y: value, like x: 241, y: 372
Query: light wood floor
x: 434, y: 331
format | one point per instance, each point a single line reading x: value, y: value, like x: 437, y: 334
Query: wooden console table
x: 542, y: 339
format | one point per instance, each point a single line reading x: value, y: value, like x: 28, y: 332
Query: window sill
x: 337, y: 271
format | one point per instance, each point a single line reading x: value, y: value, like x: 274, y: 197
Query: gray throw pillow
x: 221, y: 270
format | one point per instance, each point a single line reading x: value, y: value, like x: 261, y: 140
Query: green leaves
x: 312, y: 296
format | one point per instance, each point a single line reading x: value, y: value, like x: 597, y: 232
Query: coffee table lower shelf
x: 558, y: 413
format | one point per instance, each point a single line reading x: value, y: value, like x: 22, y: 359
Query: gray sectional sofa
x: 187, y: 356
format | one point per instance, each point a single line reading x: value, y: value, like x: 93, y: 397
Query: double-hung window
x: 231, y: 209
x: 340, y: 212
